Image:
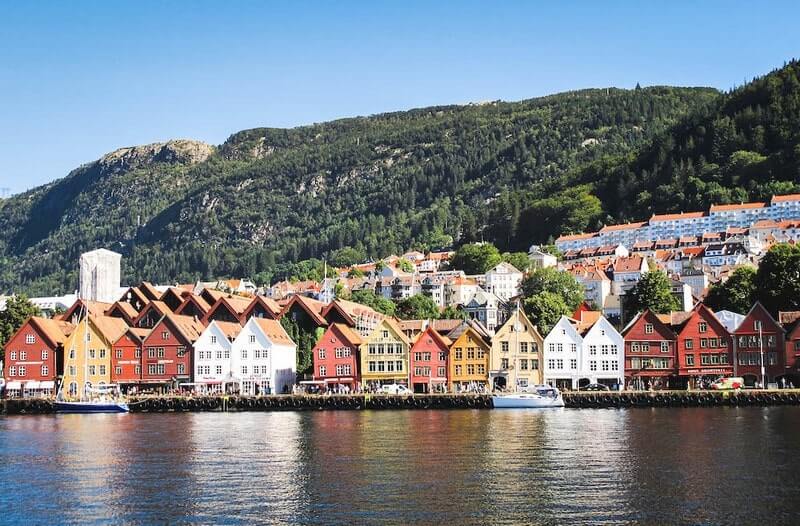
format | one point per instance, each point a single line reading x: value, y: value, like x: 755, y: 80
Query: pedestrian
x: 783, y: 383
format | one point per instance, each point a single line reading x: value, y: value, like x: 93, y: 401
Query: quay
x: 594, y: 400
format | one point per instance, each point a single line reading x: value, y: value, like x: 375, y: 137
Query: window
x: 244, y: 354
x: 30, y: 338
x: 138, y: 370
x: 551, y: 364
x: 346, y: 370
x: 118, y: 370
x: 22, y: 370
x: 73, y: 370
x: 385, y: 334
x: 690, y: 359
x: 160, y: 352
x: 772, y: 358
x: 102, y: 370
x: 560, y: 347
x: 165, y: 336
x: 458, y: 370
x: 604, y: 349
x: 757, y: 325
x: 442, y: 372
x: 442, y: 356
x: 504, y: 346
x: 92, y: 370
x: 573, y: 364
x: 71, y: 354
x: 137, y: 353
x: 614, y: 366
x: 723, y: 358
x: 213, y: 339
x: 703, y: 343
x: 702, y: 326
x: 252, y: 338
x: 219, y: 354
x: 535, y: 364
x: 523, y: 347
x: 459, y: 353
x: 559, y: 363
x: 227, y: 353
x: 92, y: 353
x: 648, y: 328
x: 323, y: 370
x: 593, y: 349
x: 664, y: 346
x: 44, y: 354
x: 244, y: 369
x: 45, y: 370
x: 181, y: 368
x: 704, y: 359
x: 481, y: 369
x: 470, y: 353
x: 12, y: 371
x: 399, y: 365
x: 118, y: 353
x: 523, y: 365
x: 604, y: 365
x: 552, y: 346
x: 688, y: 344
x: 573, y: 347
x: 592, y: 365
x: 470, y: 369
x: 219, y: 369
x: 372, y: 367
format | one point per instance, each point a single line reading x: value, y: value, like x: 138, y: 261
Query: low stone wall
x: 598, y: 400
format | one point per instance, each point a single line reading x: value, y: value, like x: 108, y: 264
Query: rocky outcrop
x: 177, y: 151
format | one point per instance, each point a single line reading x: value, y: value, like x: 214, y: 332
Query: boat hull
x: 526, y: 402
x: 91, y: 407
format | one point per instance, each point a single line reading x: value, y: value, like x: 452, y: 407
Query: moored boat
x: 541, y: 397
x: 93, y: 406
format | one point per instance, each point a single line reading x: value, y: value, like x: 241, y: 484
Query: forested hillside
x: 425, y: 178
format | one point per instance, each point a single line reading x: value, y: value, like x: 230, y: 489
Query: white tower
x: 100, y: 275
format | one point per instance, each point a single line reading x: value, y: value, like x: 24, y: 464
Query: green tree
x: 558, y: 282
x: 736, y: 294
x: 417, y: 307
x: 18, y: 309
x: 475, y: 258
x: 653, y: 291
x: 373, y: 301
x: 452, y: 312
x: 545, y: 309
x: 344, y: 257
x: 355, y: 273
x: 405, y: 265
x: 777, y: 280
x: 519, y: 260
x: 305, y: 342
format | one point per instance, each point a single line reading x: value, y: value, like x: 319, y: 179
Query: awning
x: 312, y: 382
x: 33, y: 384
x: 14, y: 386
x: 336, y: 380
x: 47, y: 385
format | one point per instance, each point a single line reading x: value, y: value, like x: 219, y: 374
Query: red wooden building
x: 167, y: 351
x: 791, y: 323
x: 336, y: 357
x: 756, y: 333
x: 126, y: 357
x: 704, y: 347
x: 650, y: 355
x: 428, y: 362
x: 35, y: 356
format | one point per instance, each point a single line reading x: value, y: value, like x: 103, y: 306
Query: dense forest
x: 512, y: 173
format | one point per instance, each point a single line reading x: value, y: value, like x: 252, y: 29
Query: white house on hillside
x: 503, y: 281
x: 540, y: 259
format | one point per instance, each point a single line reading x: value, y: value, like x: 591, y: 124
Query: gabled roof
x: 758, y: 307
x: 134, y: 293
x: 149, y: 290
x: 268, y: 303
x: 442, y: 341
x: 671, y: 217
x: 94, y: 308
x: 518, y: 315
x: 351, y: 310
x: 626, y: 226
x: 785, y: 197
x: 159, y: 307
x: 313, y: 307
x: 575, y: 237
x: 273, y: 330
x: 628, y: 264
x: 111, y: 328
x: 195, y: 299
x: 55, y: 331
x: 347, y: 333
x: 187, y: 326
x: 125, y: 309
x: 469, y: 326
x: 236, y: 305
x: 229, y: 329
x: 658, y: 319
x: 394, y: 325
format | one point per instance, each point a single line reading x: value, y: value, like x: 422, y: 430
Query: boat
x: 539, y: 397
x: 92, y: 406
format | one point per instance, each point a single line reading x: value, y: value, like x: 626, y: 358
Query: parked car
x: 395, y: 389
x: 595, y: 387
x: 731, y: 382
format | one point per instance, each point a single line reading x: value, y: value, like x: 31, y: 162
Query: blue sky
x: 81, y: 78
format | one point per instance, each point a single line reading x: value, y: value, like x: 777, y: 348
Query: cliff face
x: 181, y: 151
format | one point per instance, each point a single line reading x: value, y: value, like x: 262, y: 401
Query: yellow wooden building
x: 516, y: 359
x: 384, y: 355
x: 87, y: 353
x: 469, y: 357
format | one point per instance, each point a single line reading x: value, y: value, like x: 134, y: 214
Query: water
x: 645, y: 466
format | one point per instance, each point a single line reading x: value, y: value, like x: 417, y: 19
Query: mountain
x: 424, y: 178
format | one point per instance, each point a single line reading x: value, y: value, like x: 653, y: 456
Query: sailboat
x: 105, y: 399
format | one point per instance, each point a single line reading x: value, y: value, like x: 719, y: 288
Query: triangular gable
x: 566, y: 325
x: 135, y: 298
x: 123, y: 310
x: 601, y: 324
x: 393, y: 327
x: 311, y: 307
x: 758, y: 308
x: 110, y: 328
x: 442, y: 342
x: 262, y: 304
x: 95, y: 308
x: 648, y: 316
x: 700, y: 310
x: 173, y: 298
x: 271, y: 330
x: 154, y: 311
x: 214, y: 329
x: 518, y: 315
x: 333, y: 309
x: 150, y: 292
x: 187, y: 329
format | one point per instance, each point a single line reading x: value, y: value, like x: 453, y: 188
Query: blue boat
x: 97, y: 406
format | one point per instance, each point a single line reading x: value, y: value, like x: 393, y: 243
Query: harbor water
x: 723, y: 465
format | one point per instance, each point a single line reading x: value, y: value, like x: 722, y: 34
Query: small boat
x: 93, y: 406
x: 541, y: 397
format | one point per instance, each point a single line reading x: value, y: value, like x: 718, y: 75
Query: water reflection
x: 652, y: 466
